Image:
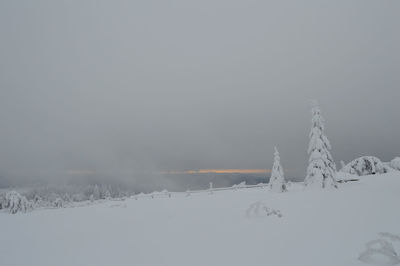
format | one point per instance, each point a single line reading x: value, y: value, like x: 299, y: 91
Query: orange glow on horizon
x: 220, y: 171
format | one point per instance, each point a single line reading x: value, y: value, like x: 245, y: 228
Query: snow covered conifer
x: 321, y: 170
x: 58, y: 203
x: 277, y: 180
x: 15, y: 202
x: 3, y: 203
x: 107, y: 194
x: 96, y: 192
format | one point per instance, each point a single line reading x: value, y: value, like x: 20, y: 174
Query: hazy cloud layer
x: 133, y: 88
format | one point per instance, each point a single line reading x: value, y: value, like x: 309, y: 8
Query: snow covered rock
x: 366, y: 165
x: 15, y: 202
x: 395, y: 163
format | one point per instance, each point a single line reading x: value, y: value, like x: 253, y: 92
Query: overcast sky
x: 132, y: 88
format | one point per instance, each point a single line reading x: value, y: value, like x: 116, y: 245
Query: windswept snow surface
x: 356, y: 224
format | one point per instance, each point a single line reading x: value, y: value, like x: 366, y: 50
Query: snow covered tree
x: 2, y: 201
x: 37, y: 201
x: 366, y: 165
x: 58, y: 203
x: 15, y: 202
x: 105, y: 192
x: 96, y: 192
x: 321, y: 170
x: 277, y: 180
x: 67, y: 198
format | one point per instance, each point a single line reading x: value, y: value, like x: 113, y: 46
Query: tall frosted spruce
x: 277, y: 181
x: 321, y: 170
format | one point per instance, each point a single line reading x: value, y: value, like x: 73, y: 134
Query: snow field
x: 316, y: 227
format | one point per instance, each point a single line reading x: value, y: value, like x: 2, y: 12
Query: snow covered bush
x: 105, y: 193
x: 58, y: 203
x: 37, y: 198
x: 67, y: 198
x: 259, y: 209
x: 37, y: 201
x: 395, y: 163
x: 321, y: 170
x: 366, y: 165
x: 2, y: 201
x: 15, y: 202
x: 166, y: 193
x: 277, y: 180
x: 240, y: 185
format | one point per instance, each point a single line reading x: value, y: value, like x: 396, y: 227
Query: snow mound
x: 366, y: 165
x: 395, y: 163
x: 391, y: 237
x: 260, y: 209
x: 379, y: 252
x: 343, y: 177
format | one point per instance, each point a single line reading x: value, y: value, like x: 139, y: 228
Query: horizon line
x: 220, y: 171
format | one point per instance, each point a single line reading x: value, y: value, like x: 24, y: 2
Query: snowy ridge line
x: 79, y: 204
x: 158, y: 194
x: 189, y: 192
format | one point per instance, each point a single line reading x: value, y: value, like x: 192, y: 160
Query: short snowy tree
x: 37, y: 201
x: 58, y: 203
x: 96, y: 192
x: 67, y: 198
x: 78, y: 197
x: 105, y: 192
x: 277, y: 180
x: 15, y: 202
x: 2, y: 201
x: 321, y: 170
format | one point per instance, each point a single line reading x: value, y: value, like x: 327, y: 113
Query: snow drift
x: 395, y: 163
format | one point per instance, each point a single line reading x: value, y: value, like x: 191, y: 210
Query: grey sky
x: 129, y: 88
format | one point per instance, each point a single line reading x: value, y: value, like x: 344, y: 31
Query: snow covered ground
x: 237, y: 227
